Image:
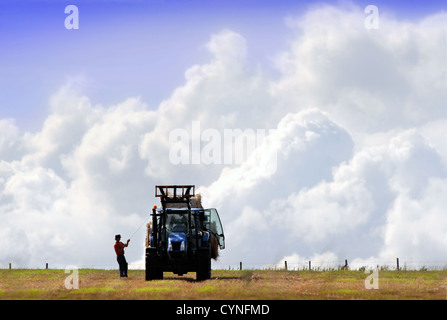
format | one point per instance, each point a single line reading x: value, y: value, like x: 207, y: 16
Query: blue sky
x: 135, y: 48
x: 124, y: 49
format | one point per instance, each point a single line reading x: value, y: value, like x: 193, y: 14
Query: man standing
x: 119, y: 249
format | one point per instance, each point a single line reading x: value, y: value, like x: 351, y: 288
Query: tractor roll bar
x: 174, y: 190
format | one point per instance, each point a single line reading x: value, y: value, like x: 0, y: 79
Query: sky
x: 350, y: 160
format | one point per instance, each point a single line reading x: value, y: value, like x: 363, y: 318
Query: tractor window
x: 214, y: 225
x: 176, y: 223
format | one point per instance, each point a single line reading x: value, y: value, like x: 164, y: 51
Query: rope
x: 138, y: 228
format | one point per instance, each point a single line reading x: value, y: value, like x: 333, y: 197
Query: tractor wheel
x: 204, y: 267
x: 154, y: 269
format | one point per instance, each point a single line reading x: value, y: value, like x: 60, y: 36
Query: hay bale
x: 196, y: 202
x: 214, y: 246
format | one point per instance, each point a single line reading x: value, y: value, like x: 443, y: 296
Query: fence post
x: 240, y: 265
x: 346, y: 264
x: 10, y: 266
x: 46, y: 266
x: 310, y: 267
x: 397, y: 261
x: 285, y: 265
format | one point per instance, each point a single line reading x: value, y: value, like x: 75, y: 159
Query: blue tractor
x: 182, y: 238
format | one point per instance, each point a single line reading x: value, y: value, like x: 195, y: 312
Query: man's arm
x: 127, y: 243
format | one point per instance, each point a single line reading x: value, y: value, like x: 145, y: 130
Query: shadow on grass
x: 193, y: 279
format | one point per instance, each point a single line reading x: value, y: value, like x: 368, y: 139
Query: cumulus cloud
x: 375, y: 85
x: 74, y: 180
x: 90, y: 171
x: 369, y: 80
x: 352, y: 164
x: 321, y: 261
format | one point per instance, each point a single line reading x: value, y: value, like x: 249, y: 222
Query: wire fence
x: 398, y: 264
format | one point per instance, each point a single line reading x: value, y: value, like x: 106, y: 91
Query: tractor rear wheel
x: 154, y: 269
x: 204, y: 268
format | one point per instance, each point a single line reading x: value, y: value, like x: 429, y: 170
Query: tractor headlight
x: 182, y: 246
x: 169, y: 245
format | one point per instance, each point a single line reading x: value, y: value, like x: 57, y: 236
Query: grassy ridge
x: 257, y: 284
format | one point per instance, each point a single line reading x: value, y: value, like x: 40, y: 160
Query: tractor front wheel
x: 154, y: 270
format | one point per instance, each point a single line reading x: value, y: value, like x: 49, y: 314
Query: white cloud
x: 9, y: 139
x: 325, y: 260
x: 227, y: 46
x: 220, y: 94
x: 415, y: 226
x: 368, y: 80
x: 90, y: 171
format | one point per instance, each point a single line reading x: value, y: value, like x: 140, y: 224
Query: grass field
x: 247, y: 285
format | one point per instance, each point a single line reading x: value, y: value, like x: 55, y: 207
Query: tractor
x: 182, y: 238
